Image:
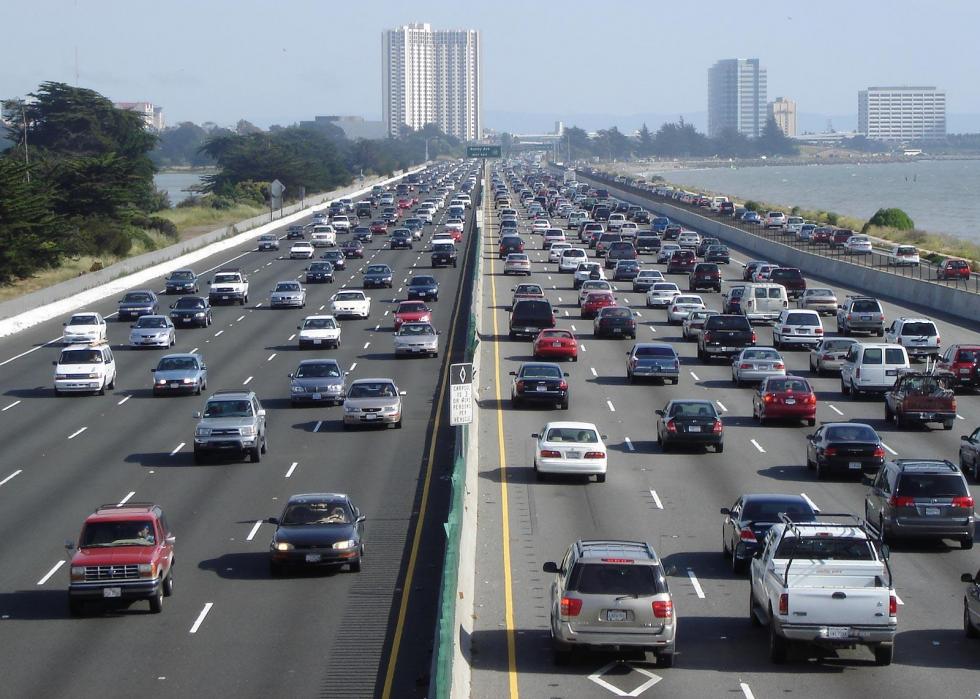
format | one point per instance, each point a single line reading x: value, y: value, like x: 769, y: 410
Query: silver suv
x: 233, y: 422
x: 611, y: 595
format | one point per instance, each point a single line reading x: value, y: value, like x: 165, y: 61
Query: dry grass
x: 195, y: 219
x: 69, y: 269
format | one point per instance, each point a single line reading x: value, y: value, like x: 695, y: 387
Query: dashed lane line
x: 11, y: 477
x: 55, y: 569
x: 77, y: 432
x: 889, y: 449
x: 629, y: 444
x: 746, y: 691
x: 592, y: 369
x: 810, y: 502
x: 292, y: 467
x: 758, y: 446
x: 612, y: 408
x: 694, y: 376
x: 247, y: 381
x: 254, y: 530
x: 656, y: 500
x: 201, y: 617
x: 694, y: 582
x: 316, y: 427
x: 834, y: 408
x: 15, y: 403
x: 126, y: 499
x: 353, y: 366
x: 271, y: 357
x: 178, y: 448
x: 124, y: 400
x: 721, y: 406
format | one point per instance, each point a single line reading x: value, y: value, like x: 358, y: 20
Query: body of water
x: 939, y: 195
x: 176, y: 184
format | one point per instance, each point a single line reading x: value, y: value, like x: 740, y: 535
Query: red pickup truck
x: 920, y: 398
x: 124, y: 553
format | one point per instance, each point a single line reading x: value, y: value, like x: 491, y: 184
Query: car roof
x: 375, y: 380
x: 311, y: 497
x: 775, y: 497
x: 318, y: 360
x: 181, y: 355
x: 571, y: 425
x: 925, y: 465
x: 231, y: 394
x: 614, y: 550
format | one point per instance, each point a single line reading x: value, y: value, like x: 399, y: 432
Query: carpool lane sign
x: 460, y: 394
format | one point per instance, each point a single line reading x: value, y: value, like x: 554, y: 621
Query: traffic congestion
x: 738, y: 448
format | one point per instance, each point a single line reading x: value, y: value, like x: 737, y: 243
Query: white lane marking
x: 721, y: 406
x: 201, y: 616
x: 387, y: 312
x: 353, y: 366
x: 55, y: 569
x: 695, y: 583
x: 746, y: 691
x: 958, y: 416
x: 611, y: 406
x: 194, y: 350
x: 220, y: 332
x: 377, y: 327
x: 271, y: 357
x: 758, y: 446
x: 291, y: 337
x: 889, y: 449
x: 639, y: 315
x: 124, y: 400
x: 834, y: 408
x: 122, y: 502
x: 292, y: 467
x: 76, y: 433
x: 899, y: 599
x: 240, y: 319
x: 810, y: 502
x: 316, y: 428
x: 256, y: 271
x: 559, y: 299
x: 592, y: 369
x: 178, y: 448
x: 629, y: 444
x: 258, y: 305
x: 11, y: 476
x: 567, y: 313
x: 322, y: 307
x: 653, y: 329
x: 581, y: 346
x: 399, y: 290
x: 597, y: 678
x: 246, y: 381
x: 16, y: 402
x: 573, y: 327
x: 32, y: 349
x: 694, y: 376
x: 366, y: 345
x: 254, y: 531
x: 656, y: 500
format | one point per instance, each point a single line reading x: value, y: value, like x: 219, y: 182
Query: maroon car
x: 785, y: 398
x: 953, y: 269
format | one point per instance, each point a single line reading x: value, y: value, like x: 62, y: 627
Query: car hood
x: 315, y: 534
x: 423, y: 287
x: 287, y: 294
x: 318, y: 381
x: 320, y: 332
x: 363, y: 403
x: 112, y: 555
x: 79, y: 368
x: 81, y: 330
x: 225, y: 422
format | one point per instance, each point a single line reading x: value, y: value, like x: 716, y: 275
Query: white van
x: 872, y: 367
x: 716, y: 203
x: 764, y: 302
x: 323, y: 237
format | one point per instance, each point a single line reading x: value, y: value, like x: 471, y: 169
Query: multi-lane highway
x: 673, y: 501
x: 229, y: 629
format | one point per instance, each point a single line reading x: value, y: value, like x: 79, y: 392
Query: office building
x: 152, y: 115
x: 783, y: 111
x: 902, y: 113
x: 737, y: 97
x: 432, y: 77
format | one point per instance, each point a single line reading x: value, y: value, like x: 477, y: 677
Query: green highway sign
x: 482, y: 151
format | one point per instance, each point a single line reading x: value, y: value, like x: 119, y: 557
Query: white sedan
x: 661, y: 294
x: 554, y: 253
x: 351, y: 304
x: 681, y: 306
x: 540, y: 225
x: 570, y: 448
x: 301, y: 251
x: 84, y: 328
x: 858, y: 245
x: 319, y: 331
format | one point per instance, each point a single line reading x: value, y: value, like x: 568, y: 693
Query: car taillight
x: 663, y: 610
x: 901, y: 501
x: 520, y: 385
x: 671, y: 427
x: 849, y: 316
x: 818, y: 331
x: 550, y: 454
x: 778, y: 365
x: 784, y: 603
x: 595, y: 455
x: 963, y: 501
x: 570, y: 606
x: 744, y: 365
x: 811, y: 399
x: 769, y: 397
x: 563, y: 385
x: 857, y: 373
x: 746, y: 534
x: 706, y: 335
x: 754, y: 337
x: 879, y: 453
x: 716, y: 427
x: 830, y: 451
x: 892, y: 605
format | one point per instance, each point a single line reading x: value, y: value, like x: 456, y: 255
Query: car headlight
x: 187, y: 380
x: 297, y: 389
x: 203, y: 432
x: 346, y: 544
x: 351, y: 409
x: 61, y: 376
x: 147, y: 570
x: 248, y: 431
x: 94, y: 375
x: 78, y: 572
x: 390, y: 409
x: 161, y: 382
x: 283, y: 546
x: 199, y: 315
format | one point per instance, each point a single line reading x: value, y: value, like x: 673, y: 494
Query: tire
x: 821, y: 472
x: 966, y: 543
x: 948, y: 425
x: 665, y: 660
x: 844, y: 389
x: 753, y: 619
x: 600, y: 478
x: 265, y: 444
x: 355, y: 566
x: 156, y: 602
x: 275, y: 569
x: 168, y: 583
x: 811, y: 421
x: 720, y: 448
x: 969, y: 629
x: 779, y: 646
x: 884, y: 653
x: 564, y: 404
x: 101, y: 390
x: 76, y: 607
x: 255, y: 455
x: 888, y: 412
x: 398, y: 425
x: 738, y: 566
x: 515, y: 402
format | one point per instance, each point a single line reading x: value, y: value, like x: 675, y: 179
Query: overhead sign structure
x: 460, y: 394
x: 482, y: 151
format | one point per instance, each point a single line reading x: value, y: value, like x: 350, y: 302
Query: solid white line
x: 746, y: 691
x: 292, y: 468
x: 178, y: 448
x: 11, y: 476
x: 629, y: 444
x: 218, y: 333
x: 124, y: 400
x: 592, y: 369
x: 47, y: 576
x: 694, y: 376
x: 240, y: 319
x: 611, y: 407
x: 695, y: 583
x: 656, y: 500
x: 245, y: 382
x: 758, y: 446
x: 16, y: 402
x: 890, y: 450
x: 255, y: 529
x: 834, y: 408
x: 317, y: 427
x: 76, y: 433
x: 722, y: 406
x: 810, y: 502
x: 200, y: 617
x: 32, y: 349
x: 122, y: 502
x: 366, y: 345
x: 271, y: 357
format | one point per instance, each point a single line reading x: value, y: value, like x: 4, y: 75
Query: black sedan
x: 401, y: 238
x: 319, y: 273
x: 844, y: 447
x: 317, y: 529
x: 539, y: 382
x: 191, y: 311
x: 181, y: 281
x: 296, y: 232
x: 336, y: 258
x: 718, y: 254
x: 353, y: 248
x: 377, y: 277
x: 423, y: 286
x: 690, y: 422
x: 614, y: 321
x: 363, y: 234
x: 138, y: 303
x: 970, y: 454
x: 750, y: 518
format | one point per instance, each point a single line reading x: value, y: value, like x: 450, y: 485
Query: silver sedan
x: 288, y: 294
x: 180, y: 373
x: 754, y: 364
x: 416, y: 338
x: 829, y: 354
x: 820, y: 300
x: 153, y: 331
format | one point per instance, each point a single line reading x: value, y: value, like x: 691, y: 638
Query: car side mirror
x: 360, y: 518
x: 152, y: 371
x: 289, y: 375
x: 70, y: 546
x: 208, y: 283
x: 550, y: 567
x: 171, y: 539
x: 659, y: 412
x: 132, y: 325
x: 670, y: 570
x: 65, y: 324
x: 565, y: 374
x: 261, y: 412
x: 535, y: 435
x: 603, y: 436
x: 964, y: 438
x: 725, y: 511
x: 272, y: 520
x: 54, y: 363
x: 966, y: 577
x: 810, y: 437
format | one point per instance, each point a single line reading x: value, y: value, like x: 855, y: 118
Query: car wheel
x: 737, y: 565
x: 966, y: 543
x: 197, y: 391
x: 665, y: 659
x: 778, y: 646
x: 398, y: 425
x: 888, y: 412
x: 156, y: 602
x: 811, y: 421
x: 564, y: 404
x: 600, y: 478
x: 968, y: 628
x: 809, y: 464
x: 168, y: 583
x: 720, y: 447
x: 275, y: 569
x: 101, y: 390
x: 884, y: 653
x: 948, y: 425
x: 355, y: 566
x: 821, y: 471
x: 255, y: 455
x: 844, y: 389
x: 265, y: 444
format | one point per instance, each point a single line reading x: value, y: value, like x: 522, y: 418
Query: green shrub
x: 890, y: 218
x: 752, y: 206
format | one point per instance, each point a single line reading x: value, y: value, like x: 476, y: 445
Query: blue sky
x: 279, y: 62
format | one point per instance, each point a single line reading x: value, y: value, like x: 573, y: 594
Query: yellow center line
x: 504, y: 505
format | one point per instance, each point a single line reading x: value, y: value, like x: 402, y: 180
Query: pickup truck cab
x: 824, y: 583
x: 124, y: 553
x: 920, y: 398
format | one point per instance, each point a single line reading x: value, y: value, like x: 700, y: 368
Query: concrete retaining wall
x: 940, y: 298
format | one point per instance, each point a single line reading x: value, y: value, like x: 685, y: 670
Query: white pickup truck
x: 825, y: 584
x: 228, y: 286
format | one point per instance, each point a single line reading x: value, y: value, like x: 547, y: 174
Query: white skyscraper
x: 432, y: 77
x: 902, y: 113
x: 737, y: 97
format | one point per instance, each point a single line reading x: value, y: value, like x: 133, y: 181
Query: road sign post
x: 460, y: 394
x: 482, y: 151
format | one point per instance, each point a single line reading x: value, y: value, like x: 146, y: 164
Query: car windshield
x: 378, y: 269
x: 83, y: 320
x: 851, y: 433
x: 965, y: 355
x: 807, y: 319
x: 189, y: 302
x: 919, y: 328
x: 267, y: 237
x: 762, y: 353
x: 422, y: 281
x: 617, y: 313
x: 795, y: 385
x: 580, y: 435
x: 318, y: 370
x: 151, y: 322
x: 137, y: 298
x: 177, y: 364
x: 319, y: 324
x: 692, y: 408
x: 756, y: 511
x: 333, y: 255
x: 932, y: 485
x: 443, y: 247
x: 551, y: 334
x: 372, y: 390
x: 825, y: 548
x: 540, y: 371
x: 324, y: 512
x: 287, y: 286
x: 349, y: 296
x: 529, y: 290
x: 121, y: 533
x: 81, y: 356
x: 226, y: 279
x: 182, y: 275
x: 616, y: 579
x: 416, y: 329
x: 321, y: 267
x: 228, y: 408
x: 654, y: 351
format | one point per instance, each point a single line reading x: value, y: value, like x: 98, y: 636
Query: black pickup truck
x: 725, y: 335
x: 443, y: 254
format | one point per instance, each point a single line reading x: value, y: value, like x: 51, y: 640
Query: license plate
x: 790, y: 401
x: 865, y: 317
x: 838, y: 632
x: 694, y: 428
x: 572, y: 455
x: 541, y: 388
x: 224, y: 298
x: 313, y: 558
x: 932, y: 511
x: 854, y: 465
x: 556, y: 344
x: 615, y: 615
x: 317, y: 396
x: 616, y: 331
x: 317, y: 342
x: 112, y: 592
x: 175, y: 385
x: 371, y: 416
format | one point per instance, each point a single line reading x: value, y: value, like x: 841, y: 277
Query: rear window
x: 872, y: 355
x: 533, y: 309
x: 824, y: 548
x: 851, y: 433
x: 709, y: 268
x: 866, y: 307
x: 654, y: 352
x: 919, y: 329
x: 893, y: 355
x: 807, y: 319
x: 616, y: 579
x: 775, y: 293
x: 796, y: 385
x: 781, y: 273
x: 757, y: 512
x: 931, y: 485
x: 727, y: 323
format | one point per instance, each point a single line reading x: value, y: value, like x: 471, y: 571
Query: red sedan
x: 555, y: 343
x: 379, y: 227
x: 953, y: 269
x: 455, y: 233
x: 404, y: 203
x: 595, y: 301
x: 785, y: 397
x: 412, y: 312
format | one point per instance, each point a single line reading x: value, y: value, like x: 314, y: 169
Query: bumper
x: 790, y: 412
x: 376, y: 283
x: 127, y: 589
x: 171, y: 388
x: 180, y: 289
x: 922, y: 528
x: 286, y: 303
x: 224, y: 446
x: 726, y: 350
x: 662, y: 640
x: 415, y: 349
x: 703, y: 439
x: 922, y: 350
x: 807, y: 340
x: 658, y: 303
x: 854, y: 464
x: 646, y: 372
x: 125, y: 313
x: 564, y: 352
x: 572, y: 467
x: 542, y: 396
x: 422, y: 294
x: 315, y: 557
x: 831, y: 365
x: 371, y: 418
x: 78, y: 385
x: 864, y: 327
x: 79, y: 339
x: 300, y: 255
x: 226, y: 297
x: 188, y: 320
x: 149, y: 343
x: 767, y: 317
x: 818, y: 634
x: 929, y: 415
x: 324, y: 397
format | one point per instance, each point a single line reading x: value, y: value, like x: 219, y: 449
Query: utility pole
x: 27, y: 157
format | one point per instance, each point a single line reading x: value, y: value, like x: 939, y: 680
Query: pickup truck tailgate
x: 839, y: 606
